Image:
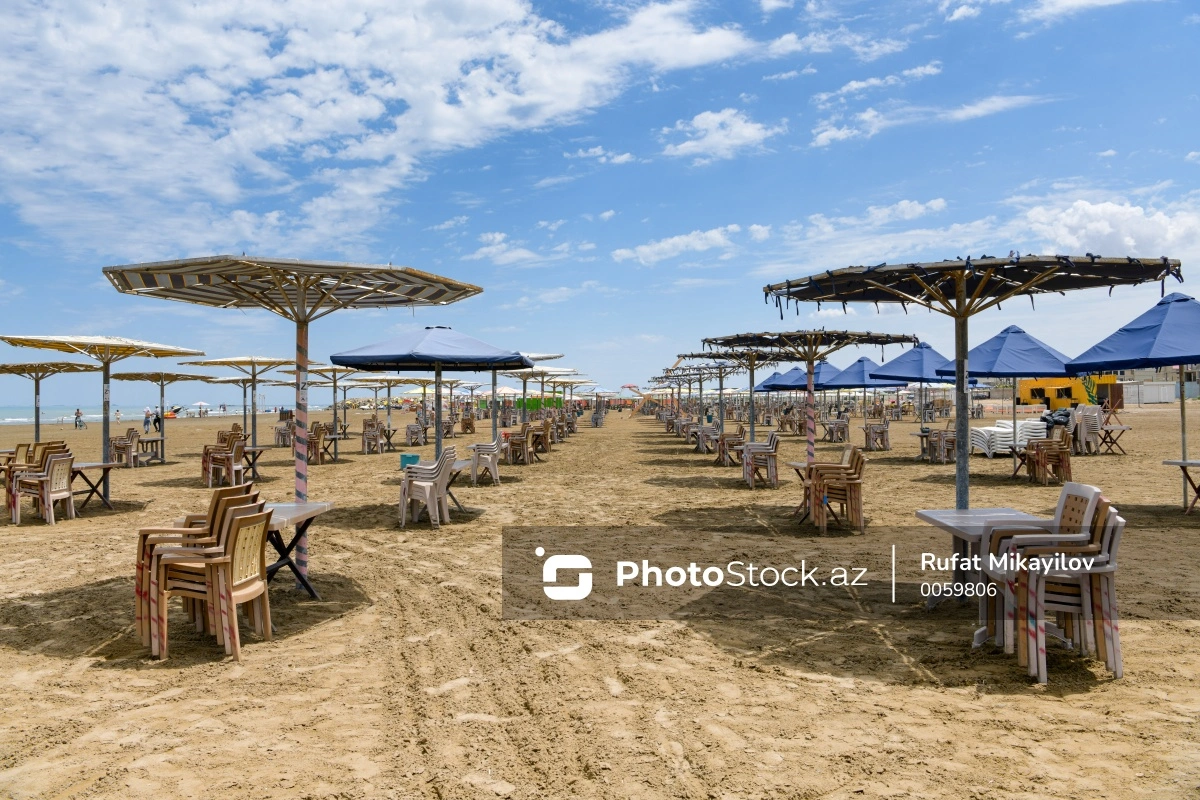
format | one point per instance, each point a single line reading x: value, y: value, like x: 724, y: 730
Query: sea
x: 23, y: 415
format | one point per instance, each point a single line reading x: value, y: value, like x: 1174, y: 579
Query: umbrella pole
x: 752, y: 399
x: 962, y: 431
x: 389, y: 408
x: 254, y: 405
x: 162, y: 416
x: 494, y: 407
x: 1014, y: 420
x: 524, y: 401
x: 245, y: 421
x: 721, y: 400
x: 1183, y: 429
x: 336, y: 432
x: 301, y: 436
x: 810, y: 418
x: 105, y: 453
x: 437, y: 410
x: 37, y: 409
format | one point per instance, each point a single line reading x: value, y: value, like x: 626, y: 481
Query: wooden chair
x: 52, y: 485
x: 242, y: 578
x: 840, y: 484
x: 727, y: 444
x: 758, y: 458
x: 372, y: 441
x: 316, y: 444
x: 1050, y: 456
x: 517, y: 450
x: 467, y: 424
x: 414, y: 435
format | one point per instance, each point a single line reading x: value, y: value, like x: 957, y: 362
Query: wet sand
x: 404, y: 680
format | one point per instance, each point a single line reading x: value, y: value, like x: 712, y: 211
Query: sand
x: 404, y: 680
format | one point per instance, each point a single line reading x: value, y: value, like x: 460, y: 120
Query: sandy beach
x: 404, y: 681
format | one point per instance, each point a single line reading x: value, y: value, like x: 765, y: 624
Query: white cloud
x: 963, y: 12
x: 551, y: 226
x: 601, y: 155
x: 502, y: 252
x: 558, y: 294
x: 694, y: 242
x: 771, y: 6
x: 607, y: 215
x: 1050, y: 11
x: 585, y: 246
x: 453, y: 222
x: 317, y: 114
x: 1193, y: 156
x: 783, y: 76
x: 864, y: 47
x: 859, y: 87
x: 721, y: 134
x: 1109, y: 153
x: 870, y: 122
x: 555, y: 180
x: 760, y: 233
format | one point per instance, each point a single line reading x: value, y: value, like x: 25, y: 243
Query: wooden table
x: 387, y: 434
x: 251, y: 455
x: 966, y: 527
x: 925, y: 454
x: 155, y: 445
x: 1109, y: 435
x: 95, y: 487
x: 284, y: 515
x: 1185, y: 466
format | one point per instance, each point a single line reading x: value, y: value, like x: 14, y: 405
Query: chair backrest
x: 132, y: 438
x: 235, y: 428
x: 222, y: 493
x: 1112, y: 537
x: 59, y: 472
x: 1076, y: 506
x: 247, y: 547
x: 222, y: 437
x: 20, y: 453
x: 238, y: 450
x: 234, y: 508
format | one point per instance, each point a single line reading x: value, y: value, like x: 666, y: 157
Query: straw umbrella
x: 389, y: 382
x: 243, y: 382
x: 524, y: 376
x: 300, y: 291
x: 37, y: 373
x: 961, y: 288
x: 162, y: 379
x: 744, y: 359
x: 107, y: 350
x: 254, y: 367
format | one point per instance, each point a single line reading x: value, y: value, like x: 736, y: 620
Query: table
x: 251, y: 455
x: 95, y: 487
x: 1109, y: 435
x: 1185, y: 466
x: 965, y: 527
x: 925, y: 454
x: 387, y: 434
x: 155, y: 446
x: 284, y: 515
x: 456, y: 469
x: 329, y: 442
x: 836, y: 430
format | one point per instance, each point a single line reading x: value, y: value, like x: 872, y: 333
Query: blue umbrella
x: 858, y: 376
x: 437, y: 348
x: 797, y: 377
x: 1168, y: 335
x: 918, y: 365
x: 1013, y: 353
x: 767, y: 384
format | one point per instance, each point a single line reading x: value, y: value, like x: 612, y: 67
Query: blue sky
x: 622, y: 178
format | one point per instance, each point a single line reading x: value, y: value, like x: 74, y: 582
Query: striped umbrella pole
x: 301, y: 439
x: 810, y: 413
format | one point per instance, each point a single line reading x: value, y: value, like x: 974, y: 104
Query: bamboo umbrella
x: 162, y: 379
x: 106, y: 350
x: 298, y: 290
x: 37, y: 373
x: 961, y: 288
x: 390, y: 381
x: 253, y: 366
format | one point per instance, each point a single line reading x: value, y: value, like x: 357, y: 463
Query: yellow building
x: 1056, y: 393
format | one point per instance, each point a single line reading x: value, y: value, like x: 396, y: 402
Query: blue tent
x: 796, y: 379
x: 434, y: 348
x: 858, y: 376
x: 1167, y: 335
x: 1013, y: 353
x: 766, y: 385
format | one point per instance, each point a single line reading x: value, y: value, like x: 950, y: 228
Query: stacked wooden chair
x: 517, y: 450
x: 426, y: 486
x: 47, y: 482
x: 760, y: 461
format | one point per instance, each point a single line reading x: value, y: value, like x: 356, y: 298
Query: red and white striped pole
x: 810, y: 413
x: 302, y: 437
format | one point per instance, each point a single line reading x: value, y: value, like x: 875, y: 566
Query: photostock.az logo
x: 550, y: 576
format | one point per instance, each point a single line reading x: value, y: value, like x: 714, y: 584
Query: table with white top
x: 1185, y: 466
x: 286, y: 515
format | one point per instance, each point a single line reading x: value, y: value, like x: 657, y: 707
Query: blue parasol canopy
x: 918, y: 365
x: 1012, y: 353
x: 1165, y: 336
x: 796, y: 379
x: 424, y: 349
x: 766, y: 385
x: 858, y: 376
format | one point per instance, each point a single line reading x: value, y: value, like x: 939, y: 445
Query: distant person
x: 157, y: 420
x: 118, y: 415
x: 79, y: 423
x: 146, y: 420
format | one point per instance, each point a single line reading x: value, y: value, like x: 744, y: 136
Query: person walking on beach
x: 157, y: 419
x: 118, y: 415
x: 146, y: 420
x: 79, y: 423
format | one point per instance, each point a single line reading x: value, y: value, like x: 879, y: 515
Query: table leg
x: 285, y: 556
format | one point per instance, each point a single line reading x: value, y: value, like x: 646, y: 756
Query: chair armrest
x: 1049, y: 551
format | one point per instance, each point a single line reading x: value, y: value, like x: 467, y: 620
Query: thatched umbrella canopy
x: 961, y: 288
x: 298, y: 290
x: 37, y: 373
